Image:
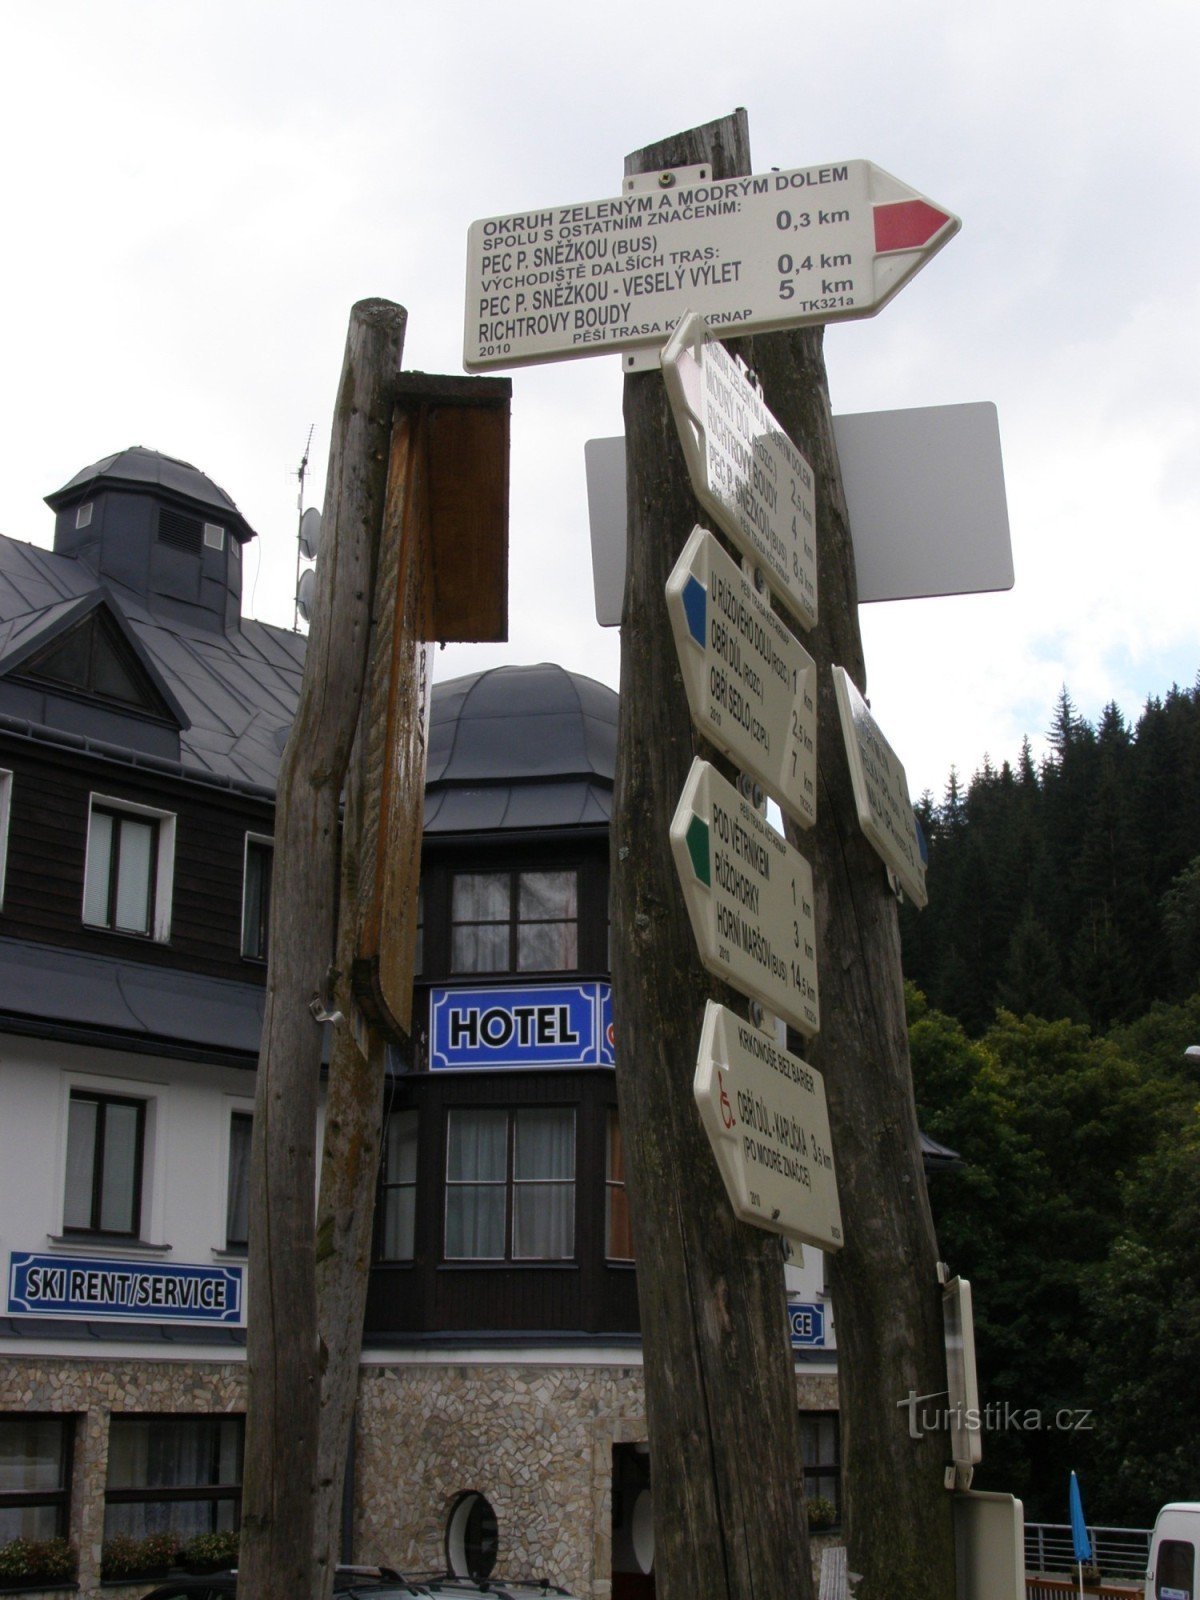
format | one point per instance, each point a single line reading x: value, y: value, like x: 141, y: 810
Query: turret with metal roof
x: 145, y: 578
x: 160, y: 528
x: 520, y: 747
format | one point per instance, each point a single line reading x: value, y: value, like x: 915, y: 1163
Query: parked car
x: 1173, y: 1571
x: 349, y: 1583
x: 448, y: 1587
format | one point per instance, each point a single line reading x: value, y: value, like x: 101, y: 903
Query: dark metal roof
x: 140, y: 469
x: 520, y: 747
x: 937, y: 1157
x: 25, y: 636
x: 62, y: 992
x: 237, y: 689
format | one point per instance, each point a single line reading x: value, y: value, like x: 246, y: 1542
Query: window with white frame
x: 130, y: 868
x: 237, y: 1201
x: 510, y: 1184
x: 5, y: 807
x: 256, y: 896
x: 106, y: 1136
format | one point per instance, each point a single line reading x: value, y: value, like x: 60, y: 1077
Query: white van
x: 1172, y: 1574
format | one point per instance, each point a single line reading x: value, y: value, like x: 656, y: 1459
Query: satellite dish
x: 310, y: 533
x: 643, y: 1531
x: 306, y: 593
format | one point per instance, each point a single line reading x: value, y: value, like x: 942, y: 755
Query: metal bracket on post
x: 649, y: 358
x: 750, y: 788
x: 322, y: 1005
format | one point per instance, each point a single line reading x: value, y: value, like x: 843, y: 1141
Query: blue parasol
x: 1079, y: 1533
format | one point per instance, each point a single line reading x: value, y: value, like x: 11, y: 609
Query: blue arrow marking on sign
x: 695, y: 609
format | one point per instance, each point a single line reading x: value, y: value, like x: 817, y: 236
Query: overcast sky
x: 196, y: 191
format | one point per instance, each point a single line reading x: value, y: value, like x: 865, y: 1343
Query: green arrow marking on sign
x: 697, y: 843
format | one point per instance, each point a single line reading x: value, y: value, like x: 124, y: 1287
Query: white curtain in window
x: 479, y: 948
x: 169, y: 1453
x: 544, y: 1185
x: 120, y: 1167
x: 476, y: 1165
x: 547, y: 909
x: 480, y: 897
x: 400, y: 1194
x: 81, y: 1154
x: 479, y: 907
x: 135, y: 875
x: 99, y: 865
x: 31, y: 1453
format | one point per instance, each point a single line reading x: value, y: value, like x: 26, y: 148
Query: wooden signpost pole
x: 720, y: 1388
x: 275, y: 1558
x: 415, y: 548
x: 725, y: 1442
x: 886, y: 1295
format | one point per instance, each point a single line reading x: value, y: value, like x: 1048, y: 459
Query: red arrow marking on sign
x: 906, y: 225
x: 727, y: 1116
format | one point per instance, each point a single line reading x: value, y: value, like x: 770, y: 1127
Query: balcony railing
x: 1118, y: 1552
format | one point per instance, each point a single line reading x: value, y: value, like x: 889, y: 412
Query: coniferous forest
x: 1054, y: 988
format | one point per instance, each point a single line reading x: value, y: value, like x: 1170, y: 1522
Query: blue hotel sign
x: 540, y: 1025
x: 126, y: 1291
x: 807, y: 1323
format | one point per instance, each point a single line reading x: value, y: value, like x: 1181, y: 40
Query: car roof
x: 375, y: 1581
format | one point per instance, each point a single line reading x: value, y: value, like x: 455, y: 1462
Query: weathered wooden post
x: 764, y: 254
x: 721, y: 1393
x: 275, y: 1558
x: 441, y: 573
x: 717, y: 1363
x: 886, y: 1297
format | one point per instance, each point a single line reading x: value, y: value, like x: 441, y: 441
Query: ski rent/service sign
x: 779, y: 250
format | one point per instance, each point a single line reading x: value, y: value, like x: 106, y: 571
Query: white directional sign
x: 745, y: 470
x: 779, y: 250
x: 765, y: 1115
x: 885, y: 812
x: 749, y: 896
x: 750, y: 683
x: 962, y: 1382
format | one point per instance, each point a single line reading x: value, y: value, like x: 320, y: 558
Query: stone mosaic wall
x: 536, y: 1440
x: 92, y: 1392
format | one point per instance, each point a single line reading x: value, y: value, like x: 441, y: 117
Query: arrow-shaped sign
x: 749, y: 896
x: 746, y: 472
x: 764, y: 1112
x: 750, y: 683
x: 777, y: 250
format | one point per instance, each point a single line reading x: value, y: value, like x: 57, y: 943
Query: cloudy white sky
x: 196, y: 191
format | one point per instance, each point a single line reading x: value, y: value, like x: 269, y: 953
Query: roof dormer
x: 160, y: 529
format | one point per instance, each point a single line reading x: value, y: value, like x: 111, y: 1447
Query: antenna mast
x: 300, y: 473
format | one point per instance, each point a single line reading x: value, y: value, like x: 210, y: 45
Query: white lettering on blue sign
x: 130, y: 1291
x: 807, y: 1323
x: 543, y: 1025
